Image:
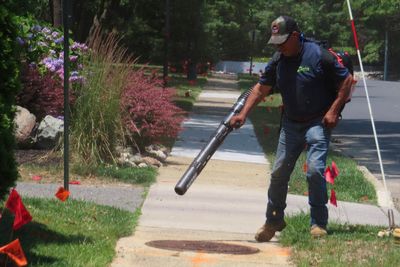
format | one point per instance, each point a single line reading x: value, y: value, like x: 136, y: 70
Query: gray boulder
x: 49, y: 132
x: 24, y: 124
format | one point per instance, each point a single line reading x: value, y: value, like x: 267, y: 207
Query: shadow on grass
x: 32, y: 235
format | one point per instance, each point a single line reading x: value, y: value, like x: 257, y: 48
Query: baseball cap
x: 281, y: 28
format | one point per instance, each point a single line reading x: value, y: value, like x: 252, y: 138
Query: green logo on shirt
x: 303, y: 69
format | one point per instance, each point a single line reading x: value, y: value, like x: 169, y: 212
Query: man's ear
x: 296, y: 34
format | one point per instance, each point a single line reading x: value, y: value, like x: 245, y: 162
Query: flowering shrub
x: 43, y: 75
x: 41, y: 94
x: 43, y: 47
x: 148, y: 111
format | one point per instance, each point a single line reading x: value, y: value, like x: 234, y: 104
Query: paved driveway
x: 354, y: 135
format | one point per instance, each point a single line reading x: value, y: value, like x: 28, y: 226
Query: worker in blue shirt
x: 314, y: 88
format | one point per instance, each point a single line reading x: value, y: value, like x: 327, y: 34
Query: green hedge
x: 9, y: 85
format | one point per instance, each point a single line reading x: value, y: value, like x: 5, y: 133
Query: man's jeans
x: 293, y: 138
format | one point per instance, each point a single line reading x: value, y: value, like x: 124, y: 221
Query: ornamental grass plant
x: 96, y: 118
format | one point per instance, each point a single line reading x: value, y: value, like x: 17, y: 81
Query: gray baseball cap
x: 281, y: 28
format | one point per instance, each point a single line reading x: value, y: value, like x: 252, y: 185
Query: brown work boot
x: 267, y: 231
x: 318, y: 231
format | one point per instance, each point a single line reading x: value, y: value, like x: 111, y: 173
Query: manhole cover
x: 203, y: 246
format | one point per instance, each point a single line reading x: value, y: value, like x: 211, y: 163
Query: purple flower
x: 59, y: 40
x: 55, y: 34
x: 76, y: 79
x: 20, y: 41
x: 73, y: 58
x: 46, y: 30
x: 36, y: 28
x: 78, y: 46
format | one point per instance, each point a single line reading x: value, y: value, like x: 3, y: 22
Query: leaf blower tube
x: 208, y: 150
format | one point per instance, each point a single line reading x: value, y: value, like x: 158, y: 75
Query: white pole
x: 367, y: 96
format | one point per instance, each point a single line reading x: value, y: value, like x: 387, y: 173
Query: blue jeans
x: 292, y: 140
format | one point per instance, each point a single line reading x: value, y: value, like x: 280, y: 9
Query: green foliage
x: 9, y: 84
x: 220, y: 29
x: 71, y: 233
x: 130, y: 175
x: 373, y: 19
x: 350, y: 185
x: 39, y: 9
x: 146, y: 175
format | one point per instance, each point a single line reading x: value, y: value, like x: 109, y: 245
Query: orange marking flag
x: 328, y: 175
x: 15, y: 205
x: 62, y: 194
x: 334, y: 170
x: 14, y: 251
x: 333, y: 198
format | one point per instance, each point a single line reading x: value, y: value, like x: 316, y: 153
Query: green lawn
x: 71, y: 233
x: 345, y: 245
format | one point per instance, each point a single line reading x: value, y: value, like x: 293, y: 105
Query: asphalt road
x: 354, y: 134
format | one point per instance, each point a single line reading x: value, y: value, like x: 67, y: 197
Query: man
x: 314, y: 88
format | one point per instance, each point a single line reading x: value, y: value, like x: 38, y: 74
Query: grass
x: 71, y: 233
x: 350, y: 185
x: 53, y: 173
x: 187, y: 93
x: 345, y: 245
x: 96, y: 128
x: 144, y: 176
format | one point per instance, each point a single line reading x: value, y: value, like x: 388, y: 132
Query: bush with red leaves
x: 41, y: 95
x: 148, y: 111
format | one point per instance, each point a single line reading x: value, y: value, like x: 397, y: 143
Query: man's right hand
x: 237, y: 121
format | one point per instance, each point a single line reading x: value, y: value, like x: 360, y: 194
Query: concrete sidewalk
x: 226, y: 203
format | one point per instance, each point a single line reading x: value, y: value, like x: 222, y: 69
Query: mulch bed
x: 37, y: 156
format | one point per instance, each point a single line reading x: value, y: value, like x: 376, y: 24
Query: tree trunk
x: 57, y: 13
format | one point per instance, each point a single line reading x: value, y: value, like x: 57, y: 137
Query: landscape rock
x: 49, y: 132
x: 157, y: 151
x: 25, y: 122
x: 152, y: 161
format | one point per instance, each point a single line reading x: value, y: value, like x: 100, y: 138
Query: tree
x: 9, y: 84
x: 57, y: 13
x: 378, y: 19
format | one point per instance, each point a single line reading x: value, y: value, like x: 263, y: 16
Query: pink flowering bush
x: 43, y: 73
x: 148, y: 111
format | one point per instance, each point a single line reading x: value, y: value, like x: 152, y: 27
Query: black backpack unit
x: 341, y: 56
